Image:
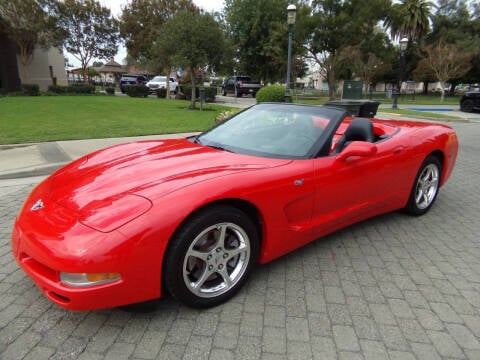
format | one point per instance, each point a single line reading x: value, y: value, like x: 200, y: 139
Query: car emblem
x: 298, y: 182
x: 38, y: 205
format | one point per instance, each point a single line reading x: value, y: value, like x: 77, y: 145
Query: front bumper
x: 44, y: 267
x: 51, y: 240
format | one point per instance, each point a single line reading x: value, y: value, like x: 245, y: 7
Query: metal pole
x: 399, y: 83
x: 202, y: 91
x: 288, y: 98
x: 395, y: 99
x: 400, y: 77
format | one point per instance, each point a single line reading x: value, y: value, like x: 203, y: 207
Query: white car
x: 160, y: 82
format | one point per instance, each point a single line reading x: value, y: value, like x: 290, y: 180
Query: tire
x: 425, y: 188
x: 467, y: 105
x: 224, y: 93
x: 210, y: 257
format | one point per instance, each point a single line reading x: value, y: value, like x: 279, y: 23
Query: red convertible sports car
x: 191, y: 217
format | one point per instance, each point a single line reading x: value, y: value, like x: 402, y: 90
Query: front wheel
x: 425, y: 188
x: 211, y: 256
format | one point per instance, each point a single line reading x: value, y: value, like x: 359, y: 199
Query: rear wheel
x: 425, y: 187
x: 211, y: 256
x: 467, y: 105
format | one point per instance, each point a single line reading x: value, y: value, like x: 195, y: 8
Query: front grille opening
x: 38, y: 268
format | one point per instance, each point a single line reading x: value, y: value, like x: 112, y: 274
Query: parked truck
x: 241, y: 85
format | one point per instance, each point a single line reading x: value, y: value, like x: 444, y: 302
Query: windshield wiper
x: 219, y: 147
x: 195, y: 139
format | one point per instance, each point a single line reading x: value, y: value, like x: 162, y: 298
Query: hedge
x: 30, y: 89
x: 138, y: 91
x: 210, y: 92
x: 161, y: 93
x: 72, y: 89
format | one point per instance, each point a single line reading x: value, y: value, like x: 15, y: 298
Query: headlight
x: 88, y: 279
x: 110, y: 214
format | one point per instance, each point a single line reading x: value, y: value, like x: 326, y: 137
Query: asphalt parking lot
x: 393, y: 287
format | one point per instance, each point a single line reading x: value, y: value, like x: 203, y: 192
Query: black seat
x: 360, y: 129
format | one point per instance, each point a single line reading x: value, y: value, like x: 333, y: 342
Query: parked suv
x: 132, y: 79
x: 160, y: 82
x: 470, y: 101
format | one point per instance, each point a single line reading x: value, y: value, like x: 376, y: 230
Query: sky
x: 116, y: 9
x: 209, y: 5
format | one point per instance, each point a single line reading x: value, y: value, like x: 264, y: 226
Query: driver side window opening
x: 363, y: 129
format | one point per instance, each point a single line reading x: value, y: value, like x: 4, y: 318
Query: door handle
x: 398, y: 150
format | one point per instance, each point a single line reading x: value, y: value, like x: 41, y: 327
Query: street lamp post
x: 291, y: 12
x: 403, y: 47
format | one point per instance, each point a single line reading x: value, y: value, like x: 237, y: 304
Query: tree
x: 29, y: 23
x: 334, y: 25
x: 258, y: 29
x: 457, y: 23
x: 90, y: 30
x: 195, y: 40
x: 445, y: 61
x: 409, y: 18
x: 366, y: 67
x: 141, y: 25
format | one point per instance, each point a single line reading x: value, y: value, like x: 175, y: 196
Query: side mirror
x: 358, y: 148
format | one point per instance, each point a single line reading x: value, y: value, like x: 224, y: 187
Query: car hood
x: 131, y: 170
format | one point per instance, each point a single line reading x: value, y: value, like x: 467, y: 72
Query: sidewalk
x: 40, y: 159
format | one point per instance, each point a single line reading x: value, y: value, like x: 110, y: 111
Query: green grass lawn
x: 50, y: 118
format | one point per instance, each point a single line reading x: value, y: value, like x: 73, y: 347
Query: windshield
x: 273, y: 130
x: 159, y: 79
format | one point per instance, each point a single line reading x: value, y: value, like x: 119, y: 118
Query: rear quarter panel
x: 431, y: 138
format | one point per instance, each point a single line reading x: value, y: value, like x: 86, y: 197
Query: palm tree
x: 409, y: 18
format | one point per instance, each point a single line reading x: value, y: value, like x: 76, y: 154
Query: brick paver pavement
x: 393, y: 287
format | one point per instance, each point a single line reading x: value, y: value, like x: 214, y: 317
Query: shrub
x: 272, y: 93
x: 57, y: 89
x: 161, y: 93
x: 210, y: 93
x: 81, y: 89
x: 31, y: 89
x: 224, y: 115
x: 138, y: 91
x: 110, y: 90
x: 72, y: 89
